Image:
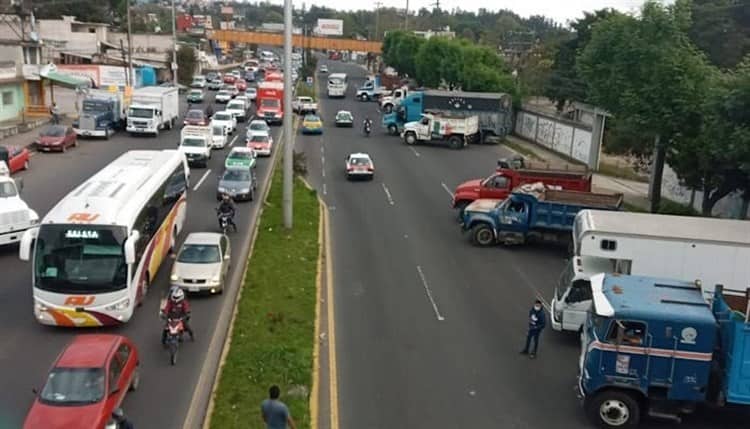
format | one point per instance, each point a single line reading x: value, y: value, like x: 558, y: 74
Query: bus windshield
x: 80, y: 259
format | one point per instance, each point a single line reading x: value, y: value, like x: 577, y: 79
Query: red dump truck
x: 501, y: 183
x: 270, y: 101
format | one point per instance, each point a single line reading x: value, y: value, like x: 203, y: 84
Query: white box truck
x: 196, y: 143
x: 694, y: 249
x: 153, y: 108
x: 15, y: 215
x: 457, y: 131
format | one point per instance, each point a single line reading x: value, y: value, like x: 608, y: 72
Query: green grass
x: 274, y: 330
x: 621, y: 172
x: 305, y: 91
x: 523, y: 150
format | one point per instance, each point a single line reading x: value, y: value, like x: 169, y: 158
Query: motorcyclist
x: 367, y: 125
x: 119, y: 417
x: 177, y: 307
x: 226, y: 207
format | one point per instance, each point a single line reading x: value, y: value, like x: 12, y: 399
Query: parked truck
x: 532, y: 212
x: 378, y: 86
x: 456, y: 131
x: 15, y: 215
x: 270, y: 100
x: 153, y: 108
x: 502, y: 182
x: 102, y: 114
x: 389, y: 102
x: 495, y: 110
x: 712, y: 251
x: 654, y: 347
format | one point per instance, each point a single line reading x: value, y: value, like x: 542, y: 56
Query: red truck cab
x: 502, y: 182
x: 270, y: 100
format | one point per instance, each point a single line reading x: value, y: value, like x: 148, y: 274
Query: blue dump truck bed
x: 532, y: 212
x: 731, y: 312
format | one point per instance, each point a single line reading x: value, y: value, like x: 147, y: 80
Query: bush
x: 669, y: 207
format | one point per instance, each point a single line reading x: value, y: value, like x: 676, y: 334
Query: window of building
x: 7, y: 98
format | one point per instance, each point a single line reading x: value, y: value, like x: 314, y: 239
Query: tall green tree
x: 399, y: 51
x: 646, y: 72
x: 721, y: 28
x: 187, y: 63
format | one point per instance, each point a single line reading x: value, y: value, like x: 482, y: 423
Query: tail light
x: 370, y: 169
x: 349, y: 168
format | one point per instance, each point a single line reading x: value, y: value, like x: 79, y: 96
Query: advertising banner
x: 330, y: 27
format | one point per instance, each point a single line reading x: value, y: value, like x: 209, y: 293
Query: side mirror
x: 27, y: 241
x: 130, y: 247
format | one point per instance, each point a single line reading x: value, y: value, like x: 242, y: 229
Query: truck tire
x: 392, y: 129
x: 364, y: 97
x: 410, y: 138
x: 613, y: 409
x: 482, y: 235
x: 455, y: 142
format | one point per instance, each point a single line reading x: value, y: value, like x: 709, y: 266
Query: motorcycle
x: 368, y: 129
x: 224, y: 223
x: 175, y: 331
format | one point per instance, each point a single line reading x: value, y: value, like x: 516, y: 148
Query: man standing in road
x: 274, y: 412
x: 537, y: 321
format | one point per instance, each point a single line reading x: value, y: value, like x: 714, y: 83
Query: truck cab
x: 410, y: 109
x: 196, y: 143
x: 143, y: 118
x: 388, y: 103
x: 101, y: 115
x: 653, y: 346
x: 15, y: 215
x: 456, y: 131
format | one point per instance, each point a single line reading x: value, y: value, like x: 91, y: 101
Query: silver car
x: 202, y: 263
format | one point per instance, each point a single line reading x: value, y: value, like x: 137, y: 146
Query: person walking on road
x: 55, y: 112
x: 122, y: 422
x: 274, y: 412
x: 537, y: 321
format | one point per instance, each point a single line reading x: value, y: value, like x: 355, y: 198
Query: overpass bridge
x: 277, y: 39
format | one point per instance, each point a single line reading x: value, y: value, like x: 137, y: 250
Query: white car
x: 226, y: 119
x: 223, y: 96
x: 202, y: 263
x: 324, y: 68
x: 219, y: 136
x: 258, y: 126
x: 237, y: 109
x: 242, y: 97
x: 251, y: 93
x: 359, y: 165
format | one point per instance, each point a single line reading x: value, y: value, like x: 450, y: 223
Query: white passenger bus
x: 96, y: 252
x: 337, y: 84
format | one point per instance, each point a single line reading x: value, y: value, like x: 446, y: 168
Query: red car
x: 229, y: 78
x: 195, y: 117
x: 56, y: 137
x: 241, y: 85
x: 86, y: 383
x: 16, y: 158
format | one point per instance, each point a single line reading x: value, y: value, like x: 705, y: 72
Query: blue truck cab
x: 532, y: 212
x: 655, y: 347
x: 410, y: 109
x: 101, y: 115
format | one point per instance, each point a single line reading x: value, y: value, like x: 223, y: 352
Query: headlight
x: 34, y: 221
x: 174, y: 277
x: 222, y: 189
x: 244, y: 191
x: 39, y: 307
x: 119, y: 306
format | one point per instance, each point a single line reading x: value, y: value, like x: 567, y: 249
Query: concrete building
x: 21, y: 90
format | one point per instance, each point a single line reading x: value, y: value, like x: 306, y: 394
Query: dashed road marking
x: 233, y: 140
x: 447, y: 189
x: 415, y: 151
x: 197, y: 185
x: 325, y: 190
x: 388, y: 195
x: 439, y: 316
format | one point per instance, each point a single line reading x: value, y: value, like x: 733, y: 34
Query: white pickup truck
x: 304, y: 105
x: 457, y: 131
x: 196, y: 143
x: 15, y: 215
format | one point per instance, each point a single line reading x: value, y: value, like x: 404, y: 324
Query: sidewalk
x: 634, y: 193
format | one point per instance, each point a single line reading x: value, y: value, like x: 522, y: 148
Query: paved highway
x: 27, y: 349
x: 429, y: 328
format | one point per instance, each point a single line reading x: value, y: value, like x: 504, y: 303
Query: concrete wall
x: 76, y: 42
x: 728, y: 207
x: 143, y: 42
x: 12, y: 93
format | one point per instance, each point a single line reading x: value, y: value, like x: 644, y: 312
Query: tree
x: 439, y: 60
x: 399, y: 49
x: 187, y: 62
x: 645, y: 72
x: 721, y: 28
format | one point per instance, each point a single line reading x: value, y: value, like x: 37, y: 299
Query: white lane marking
x: 415, y: 151
x: 323, y: 160
x: 323, y: 172
x: 322, y: 149
x: 197, y: 185
x: 429, y: 294
x: 447, y: 189
x: 232, y: 142
x: 388, y: 195
x: 325, y: 191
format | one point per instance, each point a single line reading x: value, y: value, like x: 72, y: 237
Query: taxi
x: 261, y: 143
x: 241, y: 157
x: 312, y: 125
x: 359, y: 166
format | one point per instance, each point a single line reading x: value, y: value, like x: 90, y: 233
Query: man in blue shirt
x: 537, y: 321
x: 275, y: 413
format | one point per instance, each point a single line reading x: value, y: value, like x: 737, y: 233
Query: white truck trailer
x: 457, y: 131
x: 709, y: 250
x: 153, y: 108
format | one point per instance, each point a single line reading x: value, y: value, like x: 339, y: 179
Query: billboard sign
x: 330, y: 27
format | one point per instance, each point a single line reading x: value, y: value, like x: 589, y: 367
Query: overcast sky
x: 559, y: 10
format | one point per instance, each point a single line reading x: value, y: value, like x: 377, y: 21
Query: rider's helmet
x: 177, y: 295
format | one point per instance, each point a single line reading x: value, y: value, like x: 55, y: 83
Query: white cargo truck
x: 15, y: 215
x: 707, y: 250
x: 153, y: 108
x: 196, y: 143
x: 457, y: 131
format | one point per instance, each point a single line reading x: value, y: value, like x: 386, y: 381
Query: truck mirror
x: 130, y: 246
x: 27, y: 241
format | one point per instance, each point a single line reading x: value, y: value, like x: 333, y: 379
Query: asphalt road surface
x: 27, y: 349
x: 429, y: 327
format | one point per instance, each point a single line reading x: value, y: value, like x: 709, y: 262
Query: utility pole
x: 377, y: 19
x: 288, y: 134
x: 174, y: 45
x: 406, y: 17
x: 129, y: 77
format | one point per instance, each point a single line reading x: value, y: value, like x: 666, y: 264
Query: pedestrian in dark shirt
x: 121, y: 420
x: 537, y: 321
x: 274, y: 412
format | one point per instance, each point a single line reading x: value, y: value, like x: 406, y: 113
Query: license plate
x: 139, y: 129
x: 194, y: 289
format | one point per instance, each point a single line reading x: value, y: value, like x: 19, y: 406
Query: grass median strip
x: 274, y: 329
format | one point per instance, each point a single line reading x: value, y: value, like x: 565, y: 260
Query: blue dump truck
x: 102, y: 114
x: 495, y: 110
x: 531, y: 213
x: 654, y: 347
